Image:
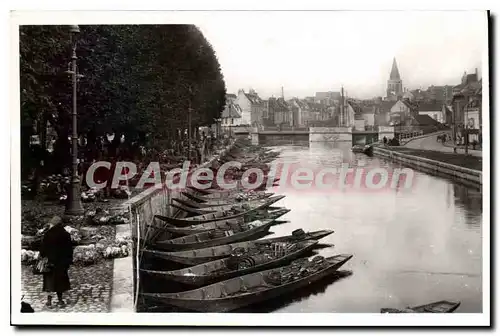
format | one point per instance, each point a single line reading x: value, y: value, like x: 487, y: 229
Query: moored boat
x: 221, y: 225
x: 255, y: 204
x: 245, y: 231
x: 434, y: 307
x: 238, y: 188
x: 230, y: 193
x: 244, y: 290
x: 260, y: 257
x: 264, y: 213
x: 200, y: 256
x: 367, y: 149
x: 237, y: 211
x: 195, y: 197
x: 199, y: 202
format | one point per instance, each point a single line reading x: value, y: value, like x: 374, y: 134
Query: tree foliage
x: 140, y: 81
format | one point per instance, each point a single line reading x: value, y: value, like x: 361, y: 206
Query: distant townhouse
x: 281, y: 111
x: 466, y: 106
x: 301, y: 112
x: 253, y: 108
x: 383, y: 112
x: 440, y: 93
x: 327, y: 98
x: 368, y: 113
x: 232, y: 114
x: 347, y: 112
x: 402, y: 111
x: 434, y: 110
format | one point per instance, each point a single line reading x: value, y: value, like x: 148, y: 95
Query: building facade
x: 232, y: 114
x: 281, y: 111
x: 433, y: 110
x: 253, y: 108
x: 466, y: 108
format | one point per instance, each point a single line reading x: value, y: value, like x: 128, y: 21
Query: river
x: 410, y: 246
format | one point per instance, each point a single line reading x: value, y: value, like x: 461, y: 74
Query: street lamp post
x: 74, y: 204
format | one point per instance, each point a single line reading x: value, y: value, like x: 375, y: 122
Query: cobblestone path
x: 90, y: 289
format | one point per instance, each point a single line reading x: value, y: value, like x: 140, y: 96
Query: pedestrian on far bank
x: 385, y: 141
x: 57, y: 248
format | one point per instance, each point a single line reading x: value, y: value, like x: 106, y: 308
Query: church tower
x: 394, y: 84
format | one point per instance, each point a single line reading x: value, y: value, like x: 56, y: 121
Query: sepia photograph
x: 239, y: 167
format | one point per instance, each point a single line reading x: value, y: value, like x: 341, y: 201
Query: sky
x: 308, y: 52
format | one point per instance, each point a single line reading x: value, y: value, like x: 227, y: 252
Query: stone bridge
x: 322, y: 134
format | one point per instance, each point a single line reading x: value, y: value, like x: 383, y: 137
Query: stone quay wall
x: 142, y: 208
x: 470, y: 176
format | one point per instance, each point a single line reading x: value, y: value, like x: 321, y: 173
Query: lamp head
x: 74, y: 29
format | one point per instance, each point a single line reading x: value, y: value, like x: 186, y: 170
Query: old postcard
x: 193, y: 165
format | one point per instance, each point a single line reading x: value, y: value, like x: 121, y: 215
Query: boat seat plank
x: 232, y: 286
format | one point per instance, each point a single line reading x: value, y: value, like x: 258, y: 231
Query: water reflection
x: 411, y: 245
x: 297, y: 295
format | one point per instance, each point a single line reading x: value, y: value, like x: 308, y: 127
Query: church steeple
x: 394, y: 84
x: 395, y: 71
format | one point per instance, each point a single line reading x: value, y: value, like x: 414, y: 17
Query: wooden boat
x: 221, y: 225
x: 434, y: 307
x: 218, y: 202
x: 263, y: 213
x: 244, y: 290
x: 368, y: 149
x: 254, y: 204
x: 230, y: 197
x: 200, y: 256
x: 223, y: 193
x: 261, y: 257
x: 219, y: 193
x: 238, y: 211
x: 246, y: 231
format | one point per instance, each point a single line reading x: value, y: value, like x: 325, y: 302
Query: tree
x: 139, y: 81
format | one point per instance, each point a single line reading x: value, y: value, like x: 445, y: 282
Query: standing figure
x: 58, y: 249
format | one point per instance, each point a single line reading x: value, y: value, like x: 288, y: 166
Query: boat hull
x: 211, y: 209
x: 184, y: 231
x: 220, y: 305
x: 238, y: 237
x: 434, y: 307
x: 216, y: 202
x: 206, y: 279
x: 208, y: 254
x: 182, y: 222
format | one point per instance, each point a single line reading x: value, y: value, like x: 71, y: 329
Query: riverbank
x: 410, y: 246
x: 143, y: 207
x: 103, y: 285
x: 468, y: 169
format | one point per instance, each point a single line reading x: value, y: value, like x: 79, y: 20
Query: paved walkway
x: 90, y: 289
x: 430, y: 143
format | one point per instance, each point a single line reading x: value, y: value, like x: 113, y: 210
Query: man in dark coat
x: 57, y: 248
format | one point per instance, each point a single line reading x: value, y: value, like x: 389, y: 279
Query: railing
x: 283, y: 128
x: 410, y: 135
